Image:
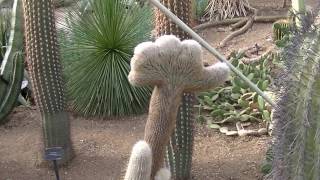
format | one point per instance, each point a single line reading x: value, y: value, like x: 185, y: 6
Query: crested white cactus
x: 173, y: 67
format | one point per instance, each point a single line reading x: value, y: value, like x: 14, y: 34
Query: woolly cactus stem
x: 139, y: 167
x: 172, y: 67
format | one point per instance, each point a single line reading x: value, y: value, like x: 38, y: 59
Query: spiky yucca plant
x: 297, y: 142
x: 46, y: 73
x: 104, y: 40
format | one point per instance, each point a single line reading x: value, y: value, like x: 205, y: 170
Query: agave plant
x: 4, y: 32
x: 97, y: 57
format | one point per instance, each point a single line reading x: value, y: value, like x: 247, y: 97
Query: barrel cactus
x: 172, y: 67
x: 297, y: 124
x: 280, y: 29
x: 46, y: 73
x: 12, y: 66
x: 179, y: 150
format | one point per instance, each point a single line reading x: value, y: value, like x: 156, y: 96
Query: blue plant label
x: 54, y: 153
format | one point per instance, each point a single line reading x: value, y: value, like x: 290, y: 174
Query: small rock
x: 263, y: 131
x: 221, y: 30
x: 248, y: 132
x: 232, y: 133
x: 223, y: 130
x: 246, y: 124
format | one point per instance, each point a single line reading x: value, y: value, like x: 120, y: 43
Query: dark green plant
x: 63, y: 3
x: 296, y: 116
x: 201, y: 6
x: 97, y: 58
x: 13, y: 86
x: 4, y: 33
x: 235, y: 101
x: 46, y: 74
x: 11, y: 60
x: 280, y: 29
x: 281, y: 32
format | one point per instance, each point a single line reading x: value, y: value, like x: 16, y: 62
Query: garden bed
x: 103, y: 146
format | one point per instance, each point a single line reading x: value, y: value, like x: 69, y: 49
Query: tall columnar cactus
x: 180, y: 148
x: 173, y: 68
x: 12, y: 66
x: 297, y: 142
x: 44, y: 64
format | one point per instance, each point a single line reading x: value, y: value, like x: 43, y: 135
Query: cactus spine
x: 12, y: 67
x: 179, y: 150
x: 44, y: 62
x: 297, y: 143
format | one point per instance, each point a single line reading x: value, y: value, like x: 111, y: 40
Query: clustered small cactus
x: 280, y: 29
x: 172, y: 67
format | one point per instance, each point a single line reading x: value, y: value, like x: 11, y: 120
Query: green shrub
x: 235, y: 101
x: 201, y: 6
x: 97, y: 56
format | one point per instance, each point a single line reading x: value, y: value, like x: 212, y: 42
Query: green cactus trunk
x: 297, y: 142
x: 12, y: 67
x: 179, y: 150
x: 46, y: 73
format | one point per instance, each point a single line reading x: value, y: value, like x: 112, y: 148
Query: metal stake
x: 56, y: 169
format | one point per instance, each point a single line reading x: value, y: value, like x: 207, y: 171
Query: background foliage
x: 235, y: 101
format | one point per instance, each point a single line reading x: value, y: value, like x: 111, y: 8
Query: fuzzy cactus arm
x: 172, y: 67
x: 139, y: 167
x: 46, y: 74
